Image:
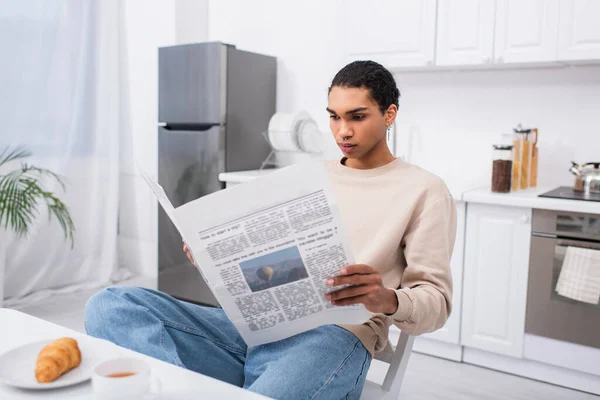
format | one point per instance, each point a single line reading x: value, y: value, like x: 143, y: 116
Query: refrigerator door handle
x: 188, y: 127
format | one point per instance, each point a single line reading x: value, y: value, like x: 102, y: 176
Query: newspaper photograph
x: 266, y: 249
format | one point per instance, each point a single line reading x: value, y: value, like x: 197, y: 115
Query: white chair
x: 397, y: 359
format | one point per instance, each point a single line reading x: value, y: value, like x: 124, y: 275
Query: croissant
x: 57, y: 358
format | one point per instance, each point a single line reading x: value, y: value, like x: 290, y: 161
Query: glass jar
x: 534, y: 158
x: 502, y: 168
x: 522, y: 157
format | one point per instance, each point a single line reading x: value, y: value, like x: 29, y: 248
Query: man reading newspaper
x: 400, y: 222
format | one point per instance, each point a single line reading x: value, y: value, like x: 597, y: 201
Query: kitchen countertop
x: 528, y: 198
x: 523, y: 198
x: 244, y: 176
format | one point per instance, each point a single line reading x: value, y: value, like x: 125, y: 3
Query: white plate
x: 17, y: 366
x: 299, y: 120
x: 281, y: 132
x: 310, y: 139
x: 284, y: 129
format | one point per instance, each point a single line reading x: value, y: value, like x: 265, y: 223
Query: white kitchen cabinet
x: 579, y: 30
x: 465, y: 34
x: 525, y: 31
x: 495, y: 278
x: 393, y: 33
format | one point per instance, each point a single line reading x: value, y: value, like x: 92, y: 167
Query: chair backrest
x: 398, y: 360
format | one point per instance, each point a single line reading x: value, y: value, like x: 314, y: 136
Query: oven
x: 548, y: 313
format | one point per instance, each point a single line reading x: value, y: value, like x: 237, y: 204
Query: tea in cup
x: 124, y: 378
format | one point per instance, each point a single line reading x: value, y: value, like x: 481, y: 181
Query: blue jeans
x: 328, y: 362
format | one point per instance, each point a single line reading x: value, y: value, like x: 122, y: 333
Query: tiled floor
x: 427, y: 378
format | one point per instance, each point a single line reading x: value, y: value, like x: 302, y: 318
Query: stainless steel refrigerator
x: 214, y: 102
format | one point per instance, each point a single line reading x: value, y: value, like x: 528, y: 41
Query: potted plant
x: 22, y: 193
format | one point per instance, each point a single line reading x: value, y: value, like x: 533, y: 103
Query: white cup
x: 139, y: 384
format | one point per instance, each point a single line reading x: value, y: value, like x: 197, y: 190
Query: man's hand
x: 187, y: 253
x: 369, y: 289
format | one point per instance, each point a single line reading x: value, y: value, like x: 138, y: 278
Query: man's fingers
x: 362, y: 299
x: 189, y: 256
x: 356, y: 279
x: 187, y: 253
x: 351, y: 292
x: 357, y: 269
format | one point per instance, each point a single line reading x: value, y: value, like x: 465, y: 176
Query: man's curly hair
x: 372, y: 76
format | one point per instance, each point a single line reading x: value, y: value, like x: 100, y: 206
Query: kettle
x: 587, y: 177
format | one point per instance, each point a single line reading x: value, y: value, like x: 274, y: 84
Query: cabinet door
x: 393, y: 33
x: 465, y: 32
x: 526, y: 31
x: 450, y: 332
x: 495, y: 278
x: 579, y: 30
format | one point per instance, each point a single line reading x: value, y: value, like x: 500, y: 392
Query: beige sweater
x: 401, y: 220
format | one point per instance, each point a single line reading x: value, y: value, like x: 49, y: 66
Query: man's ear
x: 390, y: 114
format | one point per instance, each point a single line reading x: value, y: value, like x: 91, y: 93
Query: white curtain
x: 61, y: 95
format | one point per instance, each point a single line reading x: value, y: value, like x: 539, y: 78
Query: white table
x: 17, y: 328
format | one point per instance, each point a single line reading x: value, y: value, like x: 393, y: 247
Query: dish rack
x: 303, y: 144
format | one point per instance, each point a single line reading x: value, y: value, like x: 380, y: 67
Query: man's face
x: 355, y: 121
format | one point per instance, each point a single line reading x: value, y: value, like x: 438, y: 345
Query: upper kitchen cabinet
x: 526, y: 31
x: 495, y: 278
x: 465, y: 32
x: 394, y: 33
x: 579, y: 30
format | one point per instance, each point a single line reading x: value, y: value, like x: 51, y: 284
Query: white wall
x: 191, y: 21
x: 303, y: 37
x: 149, y: 25
x: 459, y: 114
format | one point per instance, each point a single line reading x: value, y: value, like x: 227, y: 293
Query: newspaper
x: 266, y: 248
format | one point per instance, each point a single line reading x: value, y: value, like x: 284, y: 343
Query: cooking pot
x: 587, y: 177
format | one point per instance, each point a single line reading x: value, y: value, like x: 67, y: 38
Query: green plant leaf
x: 18, y: 152
x: 59, y: 210
x: 31, y: 170
x: 21, y: 192
x: 17, y: 203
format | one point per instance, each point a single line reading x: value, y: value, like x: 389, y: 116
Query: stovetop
x: 567, y: 192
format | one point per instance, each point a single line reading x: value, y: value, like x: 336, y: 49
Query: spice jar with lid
x: 502, y: 167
